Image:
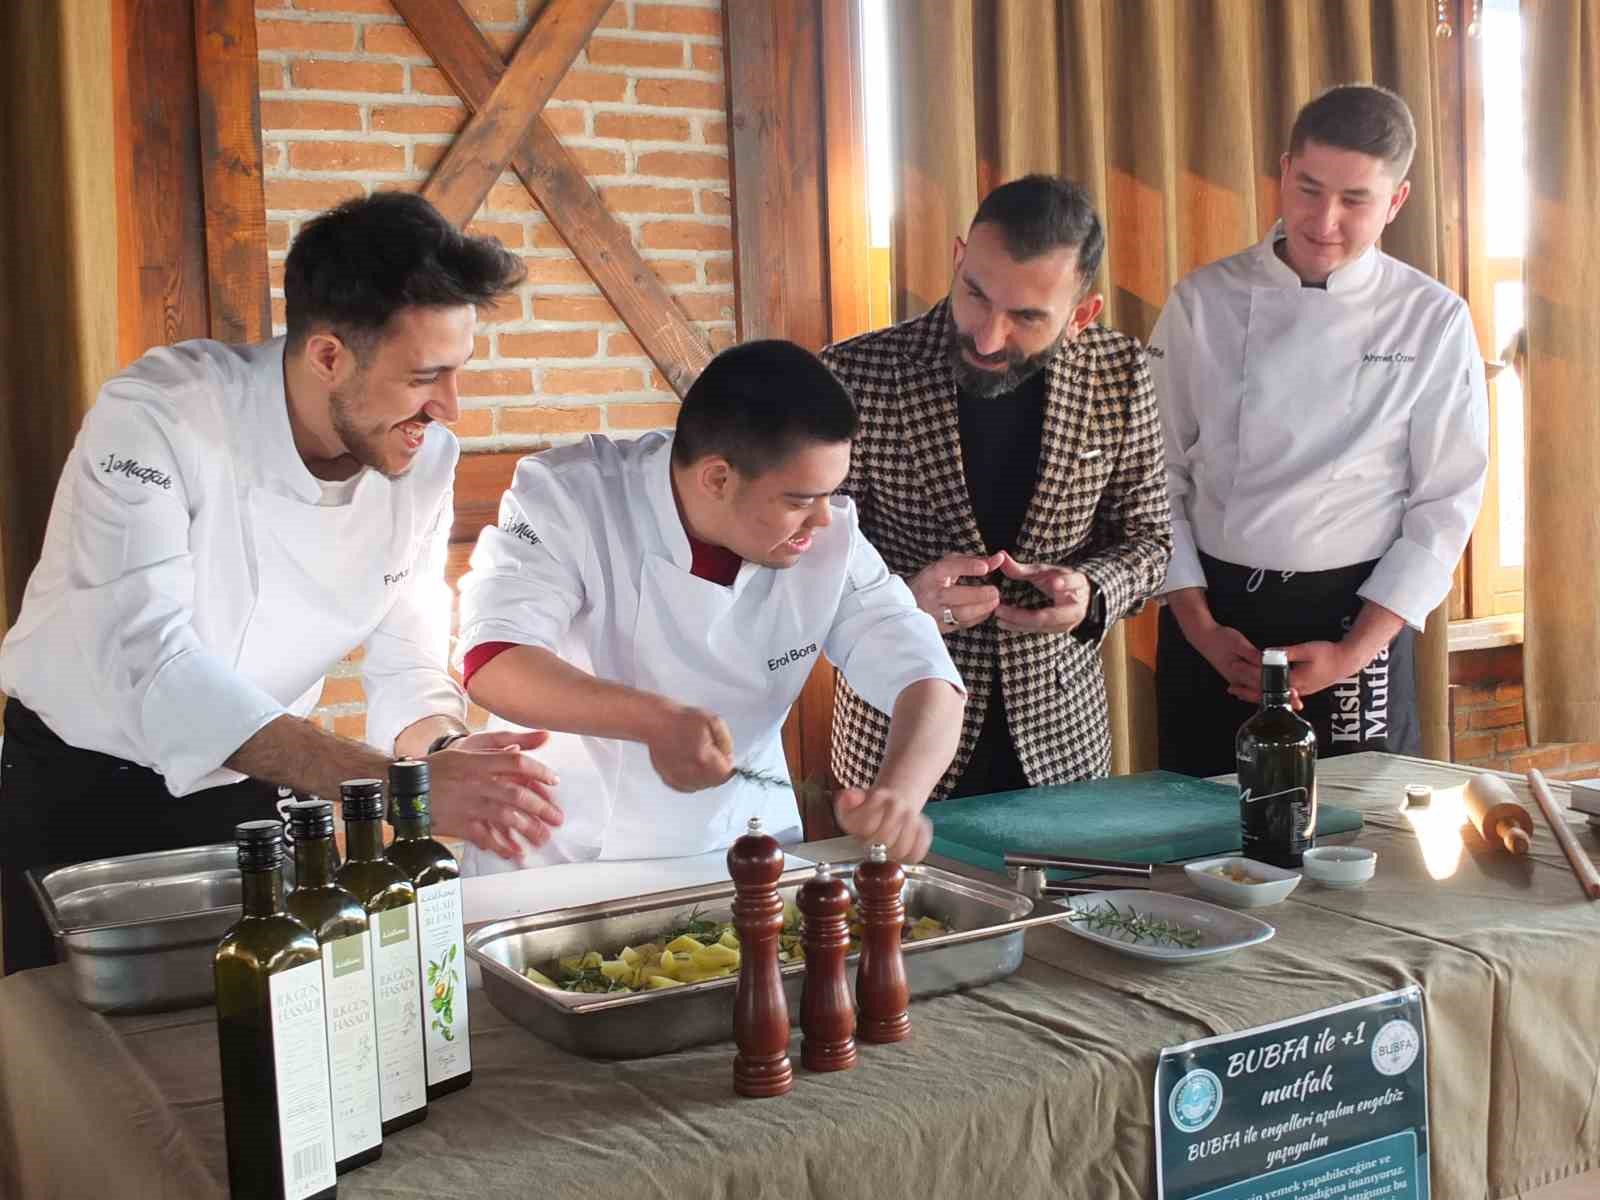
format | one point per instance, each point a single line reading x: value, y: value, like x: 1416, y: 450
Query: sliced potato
x: 729, y: 938
x: 683, y: 944
x: 662, y: 981
x: 709, y: 958
x: 539, y: 977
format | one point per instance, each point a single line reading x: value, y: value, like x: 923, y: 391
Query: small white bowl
x: 1270, y: 884
x: 1339, y: 866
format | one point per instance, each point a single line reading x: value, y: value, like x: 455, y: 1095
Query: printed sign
x: 1329, y: 1106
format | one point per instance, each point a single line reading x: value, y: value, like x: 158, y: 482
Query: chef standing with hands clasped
x: 660, y: 603
x: 1326, y: 431
x: 231, y: 522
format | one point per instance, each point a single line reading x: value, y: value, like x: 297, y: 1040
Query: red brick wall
x: 350, y: 103
x: 1487, y: 719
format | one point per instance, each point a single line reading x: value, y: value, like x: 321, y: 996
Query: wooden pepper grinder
x: 881, y: 989
x: 827, y: 1011
x: 760, y: 1011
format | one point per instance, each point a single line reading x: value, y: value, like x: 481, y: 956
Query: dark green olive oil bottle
x: 391, y: 904
x: 340, y: 924
x: 272, y: 1037
x: 1277, y: 758
x: 437, y: 876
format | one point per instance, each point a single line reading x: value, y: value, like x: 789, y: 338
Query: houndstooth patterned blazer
x: 1100, y: 505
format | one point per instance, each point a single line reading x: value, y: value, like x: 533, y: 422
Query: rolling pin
x: 1496, y: 814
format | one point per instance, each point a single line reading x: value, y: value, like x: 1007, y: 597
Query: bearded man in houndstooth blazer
x: 1010, y: 467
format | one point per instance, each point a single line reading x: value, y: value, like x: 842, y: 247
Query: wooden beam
x: 482, y: 149
x: 557, y: 184
x: 845, y: 171
x: 229, y: 104
x: 161, y: 252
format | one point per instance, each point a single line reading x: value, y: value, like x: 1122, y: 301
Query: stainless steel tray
x: 985, y: 944
x: 139, y: 932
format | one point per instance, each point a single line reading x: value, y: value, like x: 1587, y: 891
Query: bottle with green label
x: 272, y: 1037
x: 340, y: 924
x: 391, y: 904
x: 444, y: 966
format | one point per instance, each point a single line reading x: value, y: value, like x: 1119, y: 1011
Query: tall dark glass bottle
x: 1277, y: 756
x: 434, y: 871
x: 391, y: 904
x: 272, y: 1037
x: 340, y: 924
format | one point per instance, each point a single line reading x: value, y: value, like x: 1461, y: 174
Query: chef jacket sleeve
x: 879, y: 638
x: 131, y: 589
x: 405, y: 668
x: 1130, y: 539
x: 1171, y: 370
x: 1449, y: 450
x: 526, y: 579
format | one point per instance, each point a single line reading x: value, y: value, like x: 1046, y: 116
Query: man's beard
x: 1018, y: 370
x: 365, y: 447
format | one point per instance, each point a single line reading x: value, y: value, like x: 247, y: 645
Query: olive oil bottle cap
x: 362, y: 799
x: 1274, y: 658
x: 309, y: 819
x: 260, y: 845
x: 408, y: 777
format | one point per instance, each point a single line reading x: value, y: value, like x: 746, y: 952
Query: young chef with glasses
x: 661, y: 601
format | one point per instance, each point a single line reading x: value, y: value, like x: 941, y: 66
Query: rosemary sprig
x: 806, y: 789
x: 1107, y: 917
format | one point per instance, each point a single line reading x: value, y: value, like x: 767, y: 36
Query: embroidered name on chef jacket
x: 791, y: 656
x: 522, y: 531
x: 1394, y: 356
x: 390, y: 580
x: 135, y: 470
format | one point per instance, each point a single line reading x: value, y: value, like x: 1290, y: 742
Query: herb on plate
x: 1106, y: 917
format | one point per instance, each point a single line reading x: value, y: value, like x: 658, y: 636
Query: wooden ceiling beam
x: 557, y: 184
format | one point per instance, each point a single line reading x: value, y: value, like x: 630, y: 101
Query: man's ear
x: 1398, y: 200
x: 713, y: 475
x: 1085, y: 312
x: 327, y: 356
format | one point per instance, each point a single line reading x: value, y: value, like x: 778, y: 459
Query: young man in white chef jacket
x: 1326, y: 432
x: 231, y: 522
x: 661, y: 601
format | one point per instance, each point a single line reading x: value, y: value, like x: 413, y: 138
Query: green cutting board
x: 1154, y: 817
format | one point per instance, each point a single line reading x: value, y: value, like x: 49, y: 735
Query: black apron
x: 1197, y: 719
x: 61, y: 805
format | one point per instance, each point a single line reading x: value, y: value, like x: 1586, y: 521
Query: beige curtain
x: 1173, y: 114
x: 1562, y: 589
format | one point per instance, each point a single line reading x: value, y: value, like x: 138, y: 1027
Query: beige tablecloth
x: 1039, y: 1085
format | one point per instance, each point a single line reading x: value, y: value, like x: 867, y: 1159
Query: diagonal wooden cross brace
x: 507, y: 129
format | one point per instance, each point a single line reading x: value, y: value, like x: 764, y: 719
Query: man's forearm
x: 1191, y: 610
x: 295, y: 753
x: 924, y: 731
x: 1375, y: 627
x: 414, y: 740
x: 531, y: 686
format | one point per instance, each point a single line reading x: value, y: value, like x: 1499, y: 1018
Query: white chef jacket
x: 1307, y: 429
x: 196, y: 584
x: 590, y: 561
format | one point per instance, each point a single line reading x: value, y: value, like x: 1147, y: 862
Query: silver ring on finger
x: 949, y: 619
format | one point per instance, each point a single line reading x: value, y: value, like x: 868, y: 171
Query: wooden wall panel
x: 228, y: 105
x: 162, y: 287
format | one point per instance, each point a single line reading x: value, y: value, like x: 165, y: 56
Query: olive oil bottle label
x: 403, y: 1083
x: 352, y: 1045
x: 300, y: 1066
x: 444, y: 981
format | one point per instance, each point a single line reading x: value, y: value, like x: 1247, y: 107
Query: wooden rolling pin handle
x: 1513, y: 835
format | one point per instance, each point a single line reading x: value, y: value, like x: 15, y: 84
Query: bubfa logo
x: 137, y: 471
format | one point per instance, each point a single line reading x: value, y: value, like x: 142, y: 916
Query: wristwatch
x: 445, y: 739
x: 1093, y: 626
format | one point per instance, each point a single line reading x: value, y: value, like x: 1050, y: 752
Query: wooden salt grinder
x: 881, y: 989
x: 760, y: 1012
x: 827, y: 1011
x: 1496, y: 814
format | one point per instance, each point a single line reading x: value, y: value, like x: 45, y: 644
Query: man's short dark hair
x: 352, y: 268
x: 1040, y: 213
x: 757, y: 403
x: 1361, y: 117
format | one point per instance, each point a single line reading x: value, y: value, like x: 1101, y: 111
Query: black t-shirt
x: 1000, y: 440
